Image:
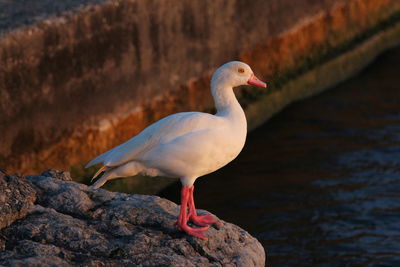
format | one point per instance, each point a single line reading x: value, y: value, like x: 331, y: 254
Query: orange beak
x: 256, y: 82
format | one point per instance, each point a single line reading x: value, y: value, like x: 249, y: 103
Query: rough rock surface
x: 48, y: 221
x: 16, y: 195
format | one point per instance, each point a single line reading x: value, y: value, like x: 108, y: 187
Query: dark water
x: 319, y: 184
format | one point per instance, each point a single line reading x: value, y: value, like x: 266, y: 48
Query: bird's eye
x: 241, y: 70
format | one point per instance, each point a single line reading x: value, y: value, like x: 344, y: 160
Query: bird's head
x: 236, y: 73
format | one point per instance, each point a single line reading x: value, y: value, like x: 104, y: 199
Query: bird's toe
x: 204, y: 220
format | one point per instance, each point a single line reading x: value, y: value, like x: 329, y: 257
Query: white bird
x: 187, y: 145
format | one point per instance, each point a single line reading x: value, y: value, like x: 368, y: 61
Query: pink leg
x: 203, y: 220
x: 183, y: 216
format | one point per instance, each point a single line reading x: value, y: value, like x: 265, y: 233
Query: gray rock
x: 65, y: 224
x: 56, y: 174
x: 16, y: 195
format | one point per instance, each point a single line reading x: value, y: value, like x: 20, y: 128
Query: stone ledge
x: 71, y: 224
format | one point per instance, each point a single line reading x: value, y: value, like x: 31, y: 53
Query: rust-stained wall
x: 73, y: 87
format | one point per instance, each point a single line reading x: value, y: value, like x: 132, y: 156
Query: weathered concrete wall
x: 16, y: 14
x: 73, y: 87
x: 324, y: 76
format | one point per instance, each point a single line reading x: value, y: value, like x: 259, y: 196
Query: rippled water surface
x: 319, y: 184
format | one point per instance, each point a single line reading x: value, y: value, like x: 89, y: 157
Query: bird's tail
x: 104, y: 168
x: 128, y: 169
x: 102, y: 180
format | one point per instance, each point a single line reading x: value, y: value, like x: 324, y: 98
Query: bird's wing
x: 100, y: 158
x: 158, y: 133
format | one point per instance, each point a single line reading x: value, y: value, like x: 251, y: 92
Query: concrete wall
x: 74, y: 86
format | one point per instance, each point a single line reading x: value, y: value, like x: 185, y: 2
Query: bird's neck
x: 225, y: 102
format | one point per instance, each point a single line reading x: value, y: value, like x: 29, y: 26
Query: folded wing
x: 161, y: 132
